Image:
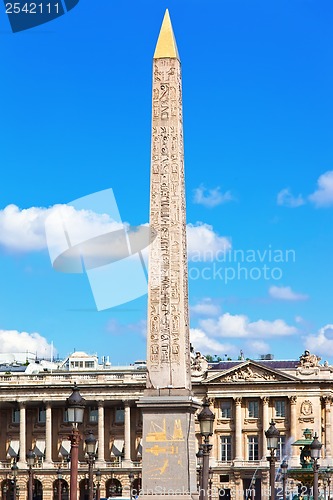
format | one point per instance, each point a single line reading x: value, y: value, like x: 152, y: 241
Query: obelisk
x: 168, y: 457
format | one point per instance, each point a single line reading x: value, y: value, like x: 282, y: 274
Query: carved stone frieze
x: 248, y: 374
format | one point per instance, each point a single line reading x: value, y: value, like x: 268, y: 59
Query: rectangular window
x: 280, y: 408
x: 253, y: 409
x: 93, y: 414
x: 16, y: 416
x: 41, y: 415
x: 225, y: 448
x: 89, y: 364
x: 280, y: 453
x: 226, y: 409
x: 120, y: 416
x: 253, y: 448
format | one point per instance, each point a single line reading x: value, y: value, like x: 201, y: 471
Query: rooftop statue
x: 308, y: 360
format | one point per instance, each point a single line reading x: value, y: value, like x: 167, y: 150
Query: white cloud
x: 24, y: 230
x: 12, y: 341
x: 286, y: 199
x: 206, y: 307
x: 285, y: 293
x: 239, y: 326
x: 203, y: 343
x: 323, y: 196
x: 211, y: 198
x: 321, y: 342
x: 204, y: 244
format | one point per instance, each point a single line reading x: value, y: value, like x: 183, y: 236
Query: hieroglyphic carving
x: 168, y: 331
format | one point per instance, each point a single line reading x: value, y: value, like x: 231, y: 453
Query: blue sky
x: 75, y: 120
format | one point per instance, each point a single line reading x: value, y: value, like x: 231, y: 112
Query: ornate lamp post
x: 315, y: 448
x: 199, y: 456
x: 75, y: 411
x: 90, y: 449
x: 131, y: 478
x: 272, y: 436
x: 328, y: 475
x: 206, y: 421
x: 14, y: 472
x: 30, y: 461
x: 210, y: 484
x: 59, y: 477
x: 284, y: 471
x: 98, y: 484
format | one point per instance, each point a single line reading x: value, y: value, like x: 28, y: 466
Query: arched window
x: 37, y: 490
x: 113, y: 488
x: 64, y: 489
x: 136, y: 487
x: 7, y: 489
x: 84, y: 489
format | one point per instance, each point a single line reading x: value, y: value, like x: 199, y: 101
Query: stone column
x: 293, y: 428
x: 265, y: 425
x: 127, y: 458
x: 238, y: 430
x: 328, y: 427
x: 22, y: 463
x: 238, y: 491
x: 48, y: 434
x: 101, y: 451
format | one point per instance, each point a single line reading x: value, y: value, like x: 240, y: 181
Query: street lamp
x: 98, y: 481
x: 131, y: 478
x: 328, y: 475
x: 272, y: 436
x: 284, y: 471
x: 75, y: 411
x: 90, y: 449
x: 30, y: 461
x: 14, y: 472
x: 315, y: 448
x: 210, y: 473
x: 206, y: 420
x: 59, y: 477
x: 199, y: 456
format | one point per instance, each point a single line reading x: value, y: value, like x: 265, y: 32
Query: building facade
x: 245, y: 395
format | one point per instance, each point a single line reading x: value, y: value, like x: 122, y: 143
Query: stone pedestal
x: 169, y: 444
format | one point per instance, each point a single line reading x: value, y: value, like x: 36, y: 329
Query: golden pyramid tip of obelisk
x: 166, y: 44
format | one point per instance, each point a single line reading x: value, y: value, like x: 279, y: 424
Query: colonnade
x: 101, y: 451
